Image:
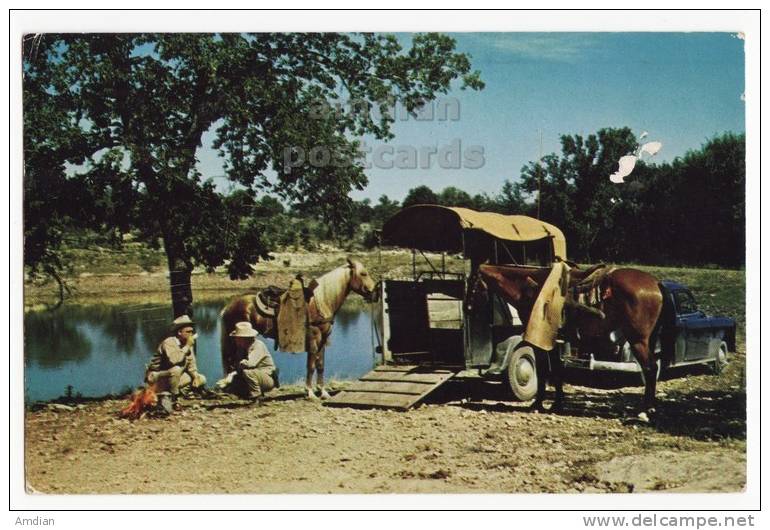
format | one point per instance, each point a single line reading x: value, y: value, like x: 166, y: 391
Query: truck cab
x: 688, y: 335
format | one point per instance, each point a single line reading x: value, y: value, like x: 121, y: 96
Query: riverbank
x: 133, y: 285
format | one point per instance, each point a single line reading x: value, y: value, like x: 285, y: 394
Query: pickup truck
x: 687, y: 336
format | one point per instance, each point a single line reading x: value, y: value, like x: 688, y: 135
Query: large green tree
x: 575, y: 192
x: 113, y: 125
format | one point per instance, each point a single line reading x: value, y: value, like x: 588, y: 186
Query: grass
x: 718, y: 291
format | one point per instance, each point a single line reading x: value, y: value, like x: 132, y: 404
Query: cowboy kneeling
x: 256, y: 372
x: 173, y: 366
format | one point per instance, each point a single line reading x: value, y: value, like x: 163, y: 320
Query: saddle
x: 589, y: 291
x: 268, y: 300
x: 289, y: 312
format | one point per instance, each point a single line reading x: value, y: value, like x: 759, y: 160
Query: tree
x: 452, y: 196
x: 130, y: 111
x: 576, y: 193
x: 511, y: 200
x: 695, y: 206
x: 419, y: 195
x: 383, y: 210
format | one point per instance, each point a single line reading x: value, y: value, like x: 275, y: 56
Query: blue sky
x: 683, y: 88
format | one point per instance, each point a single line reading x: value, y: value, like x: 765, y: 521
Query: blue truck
x: 687, y: 336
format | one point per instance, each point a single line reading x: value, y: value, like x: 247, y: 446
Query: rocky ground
x: 467, y: 438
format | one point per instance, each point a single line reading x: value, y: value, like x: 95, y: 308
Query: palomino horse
x: 328, y: 296
x: 631, y: 303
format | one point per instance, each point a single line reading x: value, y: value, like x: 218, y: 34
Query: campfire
x: 142, y: 400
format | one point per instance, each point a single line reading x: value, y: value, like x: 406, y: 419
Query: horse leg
x: 311, y: 367
x: 319, y: 368
x: 557, y: 377
x: 646, y: 359
x: 541, y: 369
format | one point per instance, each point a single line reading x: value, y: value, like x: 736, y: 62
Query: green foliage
x: 576, y: 194
x: 509, y: 201
x: 420, y: 195
x: 690, y: 211
x: 383, y: 210
x: 451, y: 196
x: 130, y: 110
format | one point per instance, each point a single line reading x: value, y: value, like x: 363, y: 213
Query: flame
x: 141, y: 400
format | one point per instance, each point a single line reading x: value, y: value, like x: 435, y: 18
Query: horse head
x: 517, y: 286
x: 361, y: 282
x: 478, y: 293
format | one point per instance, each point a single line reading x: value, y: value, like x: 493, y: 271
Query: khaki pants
x: 254, y: 382
x: 174, y: 379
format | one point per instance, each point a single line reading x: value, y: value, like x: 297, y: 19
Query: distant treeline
x: 690, y: 211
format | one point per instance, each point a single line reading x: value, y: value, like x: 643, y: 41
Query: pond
x: 102, y: 349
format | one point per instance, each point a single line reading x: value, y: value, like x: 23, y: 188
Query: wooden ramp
x: 389, y: 386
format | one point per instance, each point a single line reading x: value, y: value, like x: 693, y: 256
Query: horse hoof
x: 643, y: 417
x: 325, y: 395
x: 310, y: 396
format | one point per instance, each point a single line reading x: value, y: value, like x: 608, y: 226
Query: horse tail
x: 657, y: 330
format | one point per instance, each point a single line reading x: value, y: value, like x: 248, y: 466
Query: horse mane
x: 332, y: 290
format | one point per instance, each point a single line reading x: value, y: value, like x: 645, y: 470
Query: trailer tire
x: 522, y: 373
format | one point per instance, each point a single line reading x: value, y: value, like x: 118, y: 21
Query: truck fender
x: 508, y: 346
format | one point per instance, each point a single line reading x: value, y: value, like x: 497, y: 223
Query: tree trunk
x: 179, y: 279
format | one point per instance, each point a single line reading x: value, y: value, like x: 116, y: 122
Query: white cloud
x: 566, y: 47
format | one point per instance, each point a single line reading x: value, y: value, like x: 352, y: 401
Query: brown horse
x: 330, y: 292
x: 631, y: 303
x: 520, y: 285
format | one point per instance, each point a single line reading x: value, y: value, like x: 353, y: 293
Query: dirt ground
x: 467, y: 438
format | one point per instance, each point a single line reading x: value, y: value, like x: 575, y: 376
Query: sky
x: 681, y: 88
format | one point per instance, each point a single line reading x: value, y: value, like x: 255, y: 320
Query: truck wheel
x: 720, y: 361
x: 522, y: 373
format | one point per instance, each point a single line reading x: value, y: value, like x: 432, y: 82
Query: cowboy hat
x: 244, y: 329
x: 182, y: 322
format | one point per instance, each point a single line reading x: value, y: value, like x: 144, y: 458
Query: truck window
x: 685, y: 302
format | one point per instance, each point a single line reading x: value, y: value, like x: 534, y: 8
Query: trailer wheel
x: 522, y: 373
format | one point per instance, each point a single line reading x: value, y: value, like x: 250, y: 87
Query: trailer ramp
x: 391, y: 386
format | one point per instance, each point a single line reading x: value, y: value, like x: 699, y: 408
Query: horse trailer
x: 426, y: 333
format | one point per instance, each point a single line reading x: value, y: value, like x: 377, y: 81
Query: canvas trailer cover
x: 436, y: 228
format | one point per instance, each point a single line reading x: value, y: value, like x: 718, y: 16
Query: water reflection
x: 102, y: 349
x: 54, y: 341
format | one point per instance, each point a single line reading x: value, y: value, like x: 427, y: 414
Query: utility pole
x: 540, y: 173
